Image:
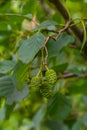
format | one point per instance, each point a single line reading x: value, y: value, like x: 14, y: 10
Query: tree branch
x: 63, y: 11
x: 72, y: 75
x: 67, y: 75
x: 60, y: 7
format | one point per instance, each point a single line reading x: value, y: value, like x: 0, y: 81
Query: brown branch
x: 59, y: 32
x: 72, y: 75
x: 46, y: 40
x: 63, y: 29
x: 63, y: 11
x: 67, y: 75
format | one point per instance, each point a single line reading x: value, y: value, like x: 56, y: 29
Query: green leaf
x: 60, y: 67
x: 54, y: 47
x: 9, y: 91
x: 3, y: 26
x: 77, y: 86
x: 10, y: 16
x: 6, y: 6
x: 77, y: 126
x: 85, y: 35
x: 20, y: 74
x: 8, y: 110
x: 81, y: 123
x: 77, y: 69
x: 27, y: 8
x: 83, y: 119
x: 6, y: 66
x: 55, y: 125
x: 2, y: 114
x: 59, y: 107
x: 39, y: 116
x: 30, y: 47
x: 16, y: 95
x: 6, y: 86
x: 10, y: 21
x: 45, y: 25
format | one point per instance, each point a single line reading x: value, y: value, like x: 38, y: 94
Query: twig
x: 46, y: 40
x: 72, y: 75
x: 63, y: 29
x: 44, y: 59
x: 67, y: 75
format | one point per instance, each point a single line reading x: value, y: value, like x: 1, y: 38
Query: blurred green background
x: 69, y: 111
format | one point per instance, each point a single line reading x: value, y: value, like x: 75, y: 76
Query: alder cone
x: 35, y: 83
x: 51, y: 76
x: 46, y: 90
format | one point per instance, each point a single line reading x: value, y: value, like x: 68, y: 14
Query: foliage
x: 42, y: 66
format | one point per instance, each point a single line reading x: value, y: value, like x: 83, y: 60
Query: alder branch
x: 63, y: 11
x: 72, y: 75
x: 63, y: 29
x: 67, y: 75
x: 60, y: 7
x: 58, y: 32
